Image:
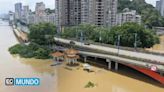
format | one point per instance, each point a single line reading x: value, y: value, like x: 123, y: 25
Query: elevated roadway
x: 152, y: 57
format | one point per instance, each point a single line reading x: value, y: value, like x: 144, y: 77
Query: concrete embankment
x: 21, y: 36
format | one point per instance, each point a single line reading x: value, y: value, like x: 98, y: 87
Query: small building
x: 71, y: 56
x: 57, y: 56
x: 128, y: 16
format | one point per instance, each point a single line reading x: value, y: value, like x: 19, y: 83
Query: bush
x: 16, y: 49
x: 90, y: 85
x: 42, y: 53
x: 32, y: 50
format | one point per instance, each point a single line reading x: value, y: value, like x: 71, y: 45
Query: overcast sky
x: 6, y: 5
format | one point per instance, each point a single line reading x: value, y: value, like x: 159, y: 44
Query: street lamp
x: 118, y: 43
x: 100, y: 38
x: 81, y: 37
x: 76, y: 33
x: 135, y: 41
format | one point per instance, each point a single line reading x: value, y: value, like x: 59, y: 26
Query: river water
x: 159, y: 47
x: 63, y: 78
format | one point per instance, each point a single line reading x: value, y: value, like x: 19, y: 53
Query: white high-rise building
x: 128, y: 16
x: 25, y: 14
x: 11, y: 18
x: 160, y: 6
x: 40, y: 9
x: 18, y: 10
x: 41, y: 16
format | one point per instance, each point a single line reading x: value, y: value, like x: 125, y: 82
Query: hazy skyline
x: 6, y: 5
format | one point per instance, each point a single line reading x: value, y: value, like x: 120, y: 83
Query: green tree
x: 42, y: 53
x: 42, y: 34
x: 145, y: 37
x: 150, y: 16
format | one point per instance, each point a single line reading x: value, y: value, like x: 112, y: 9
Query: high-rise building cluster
x: 25, y: 15
x: 75, y: 12
x: 98, y: 12
x: 160, y: 6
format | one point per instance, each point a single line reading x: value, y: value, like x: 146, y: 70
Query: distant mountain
x: 150, y: 16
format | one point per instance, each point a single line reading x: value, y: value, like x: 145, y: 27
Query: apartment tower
x: 98, y: 12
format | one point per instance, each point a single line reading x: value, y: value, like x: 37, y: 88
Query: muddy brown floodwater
x: 159, y: 47
x: 63, y: 78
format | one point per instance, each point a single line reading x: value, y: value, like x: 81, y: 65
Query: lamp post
x: 135, y: 41
x: 76, y: 33
x: 118, y: 43
x: 81, y: 37
x: 100, y: 38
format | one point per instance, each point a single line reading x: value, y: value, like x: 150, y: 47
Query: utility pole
x: 76, y: 33
x: 118, y: 43
x: 81, y: 37
x: 100, y: 38
x: 135, y: 41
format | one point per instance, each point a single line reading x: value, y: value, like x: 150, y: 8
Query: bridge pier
x: 85, y: 59
x: 109, y: 64
x: 116, y: 66
x: 95, y: 58
x: 161, y: 73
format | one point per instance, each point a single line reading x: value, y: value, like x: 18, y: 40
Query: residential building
x: 31, y: 19
x: 51, y: 18
x: 98, y: 12
x: 128, y: 16
x: 160, y: 6
x: 25, y: 14
x: 40, y: 12
x: 11, y: 18
x: 40, y: 9
x: 18, y: 10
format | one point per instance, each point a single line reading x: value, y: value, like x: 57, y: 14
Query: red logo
x: 154, y: 68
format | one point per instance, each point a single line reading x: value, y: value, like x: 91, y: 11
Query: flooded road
x: 159, y: 47
x: 64, y: 79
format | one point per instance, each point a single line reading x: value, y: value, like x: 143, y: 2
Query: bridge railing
x: 108, y: 53
x: 121, y: 47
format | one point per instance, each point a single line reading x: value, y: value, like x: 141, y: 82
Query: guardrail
x: 109, y: 53
x: 121, y: 47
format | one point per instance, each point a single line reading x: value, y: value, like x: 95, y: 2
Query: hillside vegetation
x: 150, y: 16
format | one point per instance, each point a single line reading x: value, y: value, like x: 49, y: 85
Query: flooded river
x: 64, y: 79
x: 159, y: 47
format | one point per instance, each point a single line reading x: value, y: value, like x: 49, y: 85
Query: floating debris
x: 90, y: 85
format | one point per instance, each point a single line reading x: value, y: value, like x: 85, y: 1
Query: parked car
x: 72, y: 42
x: 87, y: 43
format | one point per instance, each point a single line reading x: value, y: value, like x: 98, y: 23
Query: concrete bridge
x: 151, y: 65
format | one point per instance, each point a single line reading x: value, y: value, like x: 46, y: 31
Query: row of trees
x: 128, y: 32
x: 150, y: 16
